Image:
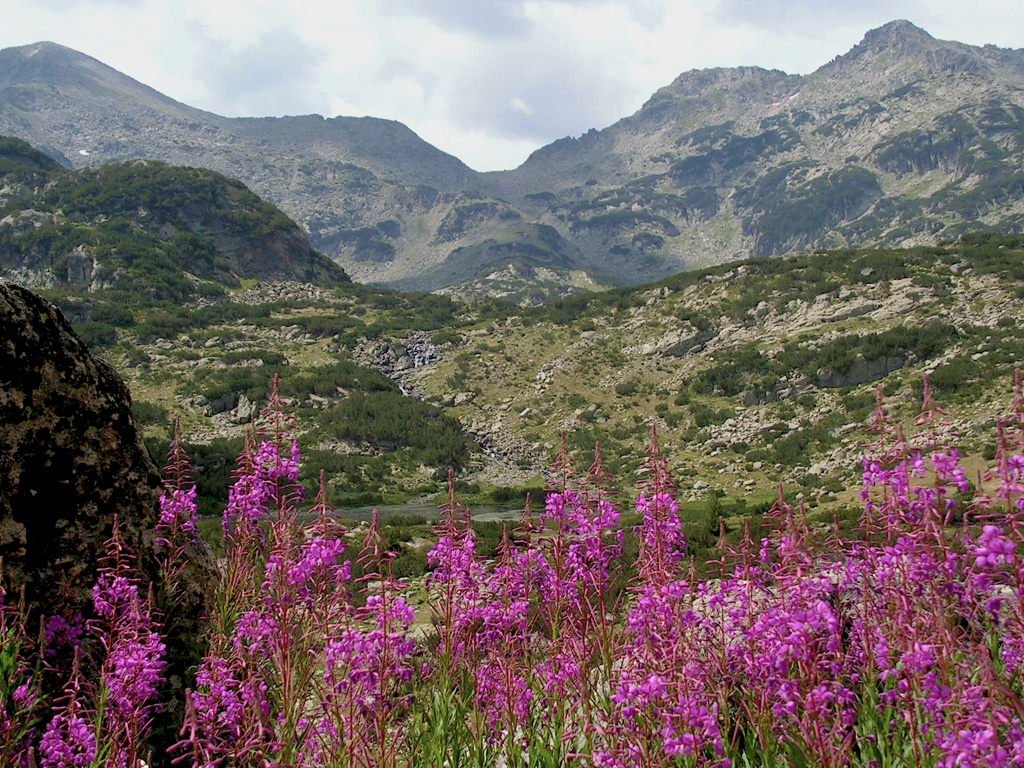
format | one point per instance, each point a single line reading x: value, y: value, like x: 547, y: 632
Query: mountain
x: 903, y: 140
x: 336, y: 177
x: 84, y: 112
x: 757, y: 372
x: 143, y: 229
x: 202, y: 294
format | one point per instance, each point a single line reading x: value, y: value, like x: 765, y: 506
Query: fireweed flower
x: 369, y: 668
x: 68, y: 741
x: 661, y: 543
x: 993, y: 549
x: 61, y: 635
x: 70, y: 736
x: 178, y: 510
x: 280, y: 592
x: 135, y: 665
x: 360, y: 663
x: 217, y: 703
x: 899, y: 647
x: 178, y: 513
x: 131, y: 672
x: 112, y: 591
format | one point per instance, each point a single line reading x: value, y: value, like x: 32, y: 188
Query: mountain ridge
x: 145, y: 229
x: 719, y: 164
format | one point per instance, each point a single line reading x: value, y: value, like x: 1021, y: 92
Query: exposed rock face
x: 219, y: 230
x: 70, y: 456
x: 861, y: 372
x: 70, y: 460
x: 904, y: 140
x: 393, y: 359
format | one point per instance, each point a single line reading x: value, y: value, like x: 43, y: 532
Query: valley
x: 754, y: 373
x: 694, y: 440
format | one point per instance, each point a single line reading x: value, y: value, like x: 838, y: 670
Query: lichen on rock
x: 70, y: 455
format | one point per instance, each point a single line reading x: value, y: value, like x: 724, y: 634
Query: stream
x: 384, y: 511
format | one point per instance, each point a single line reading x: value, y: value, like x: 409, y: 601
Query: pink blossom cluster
x: 307, y: 666
x: 807, y: 649
x: 109, y: 699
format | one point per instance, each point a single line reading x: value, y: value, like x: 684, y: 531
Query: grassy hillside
x: 904, y: 140
x: 145, y: 231
x: 213, y: 367
x: 200, y: 293
x: 756, y: 373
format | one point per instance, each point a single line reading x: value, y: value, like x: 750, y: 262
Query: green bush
x: 149, y: 413
x: 626, y: 388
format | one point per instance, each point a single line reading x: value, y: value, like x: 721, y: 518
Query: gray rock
x: 224, y: 403
x: 196, y: 403
x: 245, y: 411
x: 861, y: 372
x: 70, y: 456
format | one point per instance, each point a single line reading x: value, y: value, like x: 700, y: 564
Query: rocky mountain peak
x: 908, y: 49
x: 44, y: 80
x: 51, y: 63
x: 900, y: 36
x: 719, y: 163
x: 386, y: 147
x: 567, y: 147
x: 897, y: 41
x: 720, y: 90
x: 697, y: 82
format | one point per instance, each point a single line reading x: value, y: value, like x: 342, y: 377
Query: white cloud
x: 809, y: 17
x: 486, y: 80
x: 513, y: 18
x: 66, y: 5
x: 518, y: 105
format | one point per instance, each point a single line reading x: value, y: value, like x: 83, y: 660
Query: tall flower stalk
x: 104, y: 715
x: 297, y: 674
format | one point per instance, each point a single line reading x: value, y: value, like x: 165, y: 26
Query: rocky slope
x: 903, y: 140
x: 757, y: 373
x: 202, y: 293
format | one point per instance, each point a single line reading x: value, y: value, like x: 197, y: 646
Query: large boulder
x: 71, y: 458
x: 862, y: 371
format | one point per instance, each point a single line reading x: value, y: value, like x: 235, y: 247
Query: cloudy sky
x: 486, y: 80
